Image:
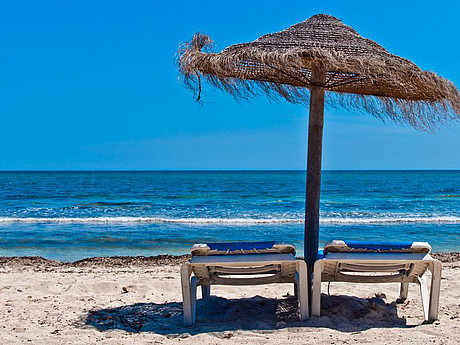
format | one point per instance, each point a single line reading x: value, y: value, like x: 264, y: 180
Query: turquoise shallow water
x: 72, y: 215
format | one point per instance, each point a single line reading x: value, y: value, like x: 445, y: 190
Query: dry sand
x: 138, y: 301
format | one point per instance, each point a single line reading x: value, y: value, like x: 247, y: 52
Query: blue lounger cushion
x: 268, y: 247
x: 320, y: 254
x: 340, y: 246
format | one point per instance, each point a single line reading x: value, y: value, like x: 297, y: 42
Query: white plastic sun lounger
x: 380, y: 262
x: 244, y: 263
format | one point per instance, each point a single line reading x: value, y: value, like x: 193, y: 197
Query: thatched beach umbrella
x: 322, y: 54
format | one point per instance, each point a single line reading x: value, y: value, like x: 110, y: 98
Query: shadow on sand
x: 342, y: 313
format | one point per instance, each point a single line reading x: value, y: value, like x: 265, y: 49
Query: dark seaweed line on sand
x: 38, y: 262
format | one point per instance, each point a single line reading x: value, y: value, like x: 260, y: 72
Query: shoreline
x: 38, y: 263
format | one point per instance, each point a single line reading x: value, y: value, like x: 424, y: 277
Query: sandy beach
x: 137, y: 300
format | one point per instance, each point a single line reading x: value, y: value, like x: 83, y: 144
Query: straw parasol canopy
x: 361, y: 73
x: 307, y: 59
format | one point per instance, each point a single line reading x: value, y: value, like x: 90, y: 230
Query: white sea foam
x: 235, y: 221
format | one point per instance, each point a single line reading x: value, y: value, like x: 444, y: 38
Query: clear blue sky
x: 93, y: 85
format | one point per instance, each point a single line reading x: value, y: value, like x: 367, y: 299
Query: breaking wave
x: 232, y: 221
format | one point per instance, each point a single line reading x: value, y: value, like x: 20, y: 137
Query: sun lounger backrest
x: 339, y: 246
x: 238, y: 248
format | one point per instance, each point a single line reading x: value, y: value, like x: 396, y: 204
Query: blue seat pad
x: 379, y: 245
x: 340, y: 246
x: 241, y: 245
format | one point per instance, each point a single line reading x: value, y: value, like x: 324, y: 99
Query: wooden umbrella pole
x: 315, y: 142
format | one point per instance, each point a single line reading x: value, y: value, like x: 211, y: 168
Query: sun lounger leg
x: 193, y: 287
x: 186, y: 294
x: 404, y: 289
x: 424, y: 294
x: 316, y: 294
x: 435, y: 288
x: 205, y: 291
x: 302, y: 289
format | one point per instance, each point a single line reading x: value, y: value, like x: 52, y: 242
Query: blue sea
x: 73, y: 215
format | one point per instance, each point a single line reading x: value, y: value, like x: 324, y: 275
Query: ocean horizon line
x: 225, y: 170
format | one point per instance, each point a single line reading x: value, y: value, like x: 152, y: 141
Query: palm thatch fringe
x: 360, y: 73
